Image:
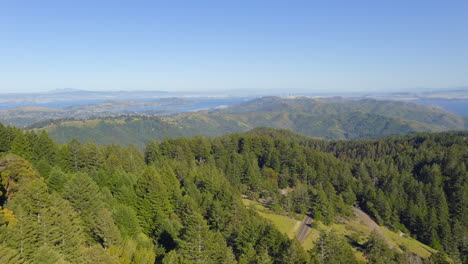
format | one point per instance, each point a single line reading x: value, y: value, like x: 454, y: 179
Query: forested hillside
x: 179, y: 201
x: 340, y: 105
x: 332, y: 118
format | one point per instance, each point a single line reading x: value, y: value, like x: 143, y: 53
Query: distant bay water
x: 459, y: 107
x: 197, y: 103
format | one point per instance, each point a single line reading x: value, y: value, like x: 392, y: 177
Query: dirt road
x: 370, y: 223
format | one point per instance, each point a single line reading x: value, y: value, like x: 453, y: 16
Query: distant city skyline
x: 288, y: 46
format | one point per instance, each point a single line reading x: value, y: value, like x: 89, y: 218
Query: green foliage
x: 199, y: 245
x: 296, y: 255
x: 44, y: 148
x: 331, y: 248
x: 179, y: 202
x: 96, y: 254
x: 152, y: 200
x: 172, y: 258
x: 7, y: 135
x: 105, y: 228
x: 312, y: 117
x: 66, y: 233
x: 377, y: 251
x: 47, y: 255
x: 9, y: 255
x: 83, y: 193
x: 21, y: 146
x: 57, y: 179
x: 127, y: 220
x: 14, y: 172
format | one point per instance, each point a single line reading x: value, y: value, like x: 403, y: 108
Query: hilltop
x: 332, y: 118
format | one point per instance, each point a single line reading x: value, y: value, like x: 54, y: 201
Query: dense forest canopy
x: 179, y: 201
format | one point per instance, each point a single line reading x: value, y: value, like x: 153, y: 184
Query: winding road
x: 304, y: 229
x: 371, y: 224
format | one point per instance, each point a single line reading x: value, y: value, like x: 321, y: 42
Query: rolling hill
x: 332, y: 118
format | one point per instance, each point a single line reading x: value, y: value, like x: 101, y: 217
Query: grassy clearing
x: 356, y: 229
x: 410, y: 244
x: 285, y: 224
x: 353, y: 228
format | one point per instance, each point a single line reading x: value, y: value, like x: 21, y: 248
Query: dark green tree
x: 153, y: 204
x: 21, y: 146
x: 333, y: 249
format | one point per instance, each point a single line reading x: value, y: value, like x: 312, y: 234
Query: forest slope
x: 332, y: 119
x: 88, y: 203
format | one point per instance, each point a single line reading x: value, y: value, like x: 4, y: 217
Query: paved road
x: 304, y: 229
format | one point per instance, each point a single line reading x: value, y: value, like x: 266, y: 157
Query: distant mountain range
x: 28, y: 115
x: 331, y: 118
x: 69, y: 97
x: 453, y: 100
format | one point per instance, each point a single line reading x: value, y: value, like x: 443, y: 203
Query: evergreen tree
x: 96, y: 254
x: 57, y: 179
x: 47, y: 255
x: 377, y: 251
x: 127, y: 220
x: 172, y: 258
x: 66, y: 231
x: 105, y: 228
x: 15, y: 171
x: 83, y: 193
x: 9, y: 255
x: 197, y: 245
x: 295, y: 254
x: 249, y: 256
x: 7, y: 135
x: 30, y: 206
x: 333, y: 249
x: 152, y: 203
x: 86, y: 198
x: 44, y: 148
x: 22, y: 147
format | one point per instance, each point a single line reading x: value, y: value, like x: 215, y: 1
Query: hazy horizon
x: 247, y: 91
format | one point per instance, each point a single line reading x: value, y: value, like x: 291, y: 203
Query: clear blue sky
x: 233, y: 44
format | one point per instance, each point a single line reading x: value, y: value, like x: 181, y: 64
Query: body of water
x: 459, y: 107
x: 198, y: 104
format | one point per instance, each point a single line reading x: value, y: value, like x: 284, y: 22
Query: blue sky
x: 313, y: 46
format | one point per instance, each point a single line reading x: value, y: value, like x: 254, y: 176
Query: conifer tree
x: 196, y: 245
x: 57, y: 179
x: 9, y: 255
x: 86, y: 198
x: 172, y: 258
x: 152, y: 152
x: 47, y: 255
x: 105, y: 228
x: 295, y: 254
x: 22, y: 147
x: 96, y: 254
x: 152, y: 200
x: 15, y: 172
x: 377, y: 251
x: 44, y: 148
x: 127, y: 220
x: 66, y: 232
x: 331, y: 248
